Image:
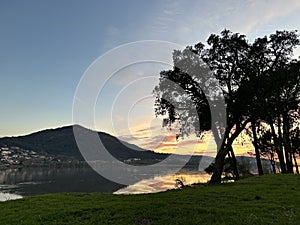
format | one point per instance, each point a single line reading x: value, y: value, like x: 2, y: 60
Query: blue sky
x: 45, y: 46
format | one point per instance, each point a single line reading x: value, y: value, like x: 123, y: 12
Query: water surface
x: 163, y: 183
x: 35, y: 181
x: 15, y: 183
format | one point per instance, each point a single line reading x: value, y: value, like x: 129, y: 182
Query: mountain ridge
x: 60, y: 144
x: 61, y: 141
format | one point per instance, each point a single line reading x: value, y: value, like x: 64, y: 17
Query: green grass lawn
x: 271, y: 199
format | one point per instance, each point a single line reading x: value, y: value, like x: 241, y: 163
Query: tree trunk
x: 219, y: 164
x: 234, y: 163
x: 226, y: 144
x: 296, y: 164
x: 257, y: 153
x: 287, y: 143
x: 219, y: 161
x: 220, y: 157
x: 278, y: 148
x: 273, y: 161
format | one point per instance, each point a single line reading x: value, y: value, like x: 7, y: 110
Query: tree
x: 239, y: 69
x: 283, y: 110
x: 269, y: 61
x: 266, y: 146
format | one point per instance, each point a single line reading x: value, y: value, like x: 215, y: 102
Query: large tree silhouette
x: 244, y: 73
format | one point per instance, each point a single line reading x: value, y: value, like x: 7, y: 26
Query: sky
x: 47, y: 46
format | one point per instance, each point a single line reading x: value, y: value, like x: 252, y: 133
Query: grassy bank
x: 272, y: 199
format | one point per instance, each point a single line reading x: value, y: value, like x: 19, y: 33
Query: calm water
x: 34, y: 181
x: 15, y: 183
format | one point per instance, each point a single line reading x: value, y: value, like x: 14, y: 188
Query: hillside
x: 270, y: 199
x: 61, y: 141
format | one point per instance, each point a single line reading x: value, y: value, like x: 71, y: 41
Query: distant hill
x: 61, y: 141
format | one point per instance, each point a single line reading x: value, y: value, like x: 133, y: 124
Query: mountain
x: 61, y: 141
x: 60, y: 145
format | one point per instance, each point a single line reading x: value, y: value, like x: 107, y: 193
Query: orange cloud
x: 153, y: 137
x: 188, y: 145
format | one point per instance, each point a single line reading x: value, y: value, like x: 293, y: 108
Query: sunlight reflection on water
x: 163, y: 183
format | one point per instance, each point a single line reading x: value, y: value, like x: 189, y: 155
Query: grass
x: 270, y: 199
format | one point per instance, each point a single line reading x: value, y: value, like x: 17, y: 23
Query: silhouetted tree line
x: 259, y: 82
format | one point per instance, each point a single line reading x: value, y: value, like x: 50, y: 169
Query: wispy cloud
x: 186, y: 23
x: 189, y: 22
x: 257, y: 13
